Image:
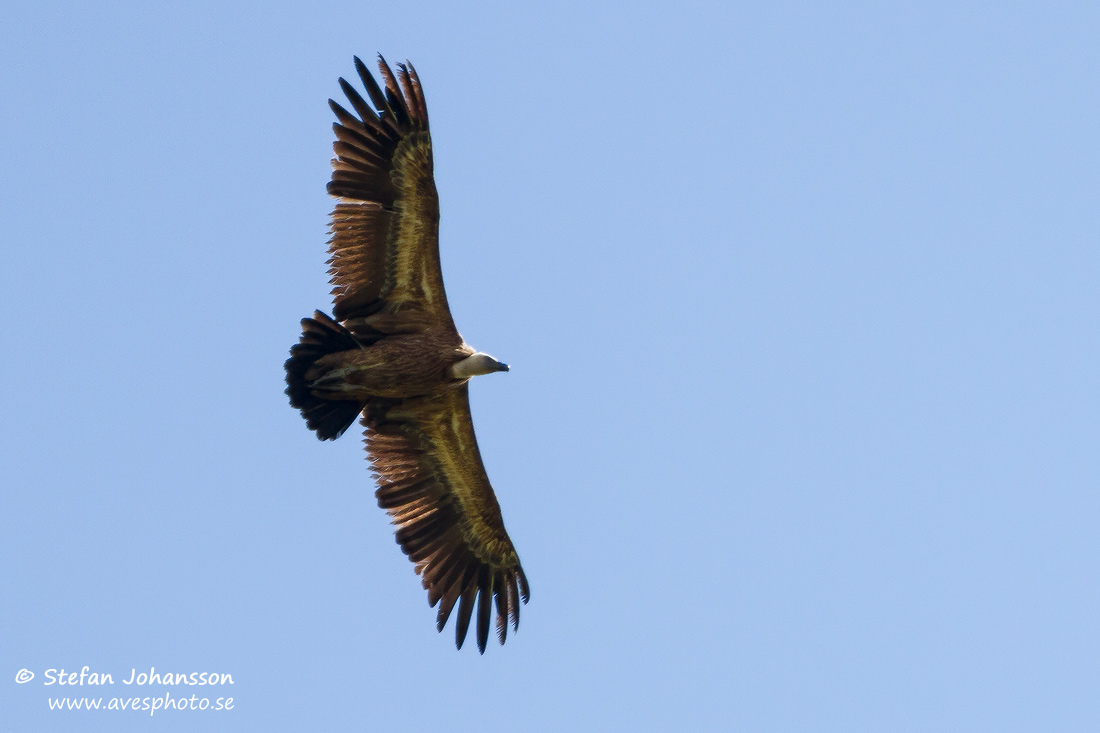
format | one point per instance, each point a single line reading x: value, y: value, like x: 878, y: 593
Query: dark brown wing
x: 385, y: 227
x: 432, y: 482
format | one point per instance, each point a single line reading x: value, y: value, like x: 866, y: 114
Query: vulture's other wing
x: 432, y: 482
x: 385, y: 228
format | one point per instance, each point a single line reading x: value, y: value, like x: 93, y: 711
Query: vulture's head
x: 478, y: 363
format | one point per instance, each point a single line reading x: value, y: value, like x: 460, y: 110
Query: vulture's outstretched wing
x: 432, y: 482
x: 385, y: 228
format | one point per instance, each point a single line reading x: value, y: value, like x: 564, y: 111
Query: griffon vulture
x: 391, y: 355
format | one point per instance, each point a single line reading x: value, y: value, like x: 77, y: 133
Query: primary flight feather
x: 392, y: 357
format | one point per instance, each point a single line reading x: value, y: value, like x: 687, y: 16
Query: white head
x: 479, y: 363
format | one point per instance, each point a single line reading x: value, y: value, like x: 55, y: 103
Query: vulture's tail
x: 320, y: 336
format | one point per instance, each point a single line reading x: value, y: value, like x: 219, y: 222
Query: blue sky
x: 801, y: 303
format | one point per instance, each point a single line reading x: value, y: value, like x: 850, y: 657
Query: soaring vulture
x: 391, y: 356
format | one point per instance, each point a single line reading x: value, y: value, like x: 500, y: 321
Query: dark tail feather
x: 320, y: 336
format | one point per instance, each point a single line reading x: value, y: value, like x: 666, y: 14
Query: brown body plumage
x: 402, y: 365
x: 392, y: 357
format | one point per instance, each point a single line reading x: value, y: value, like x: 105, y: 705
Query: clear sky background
x: 802, y: 302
